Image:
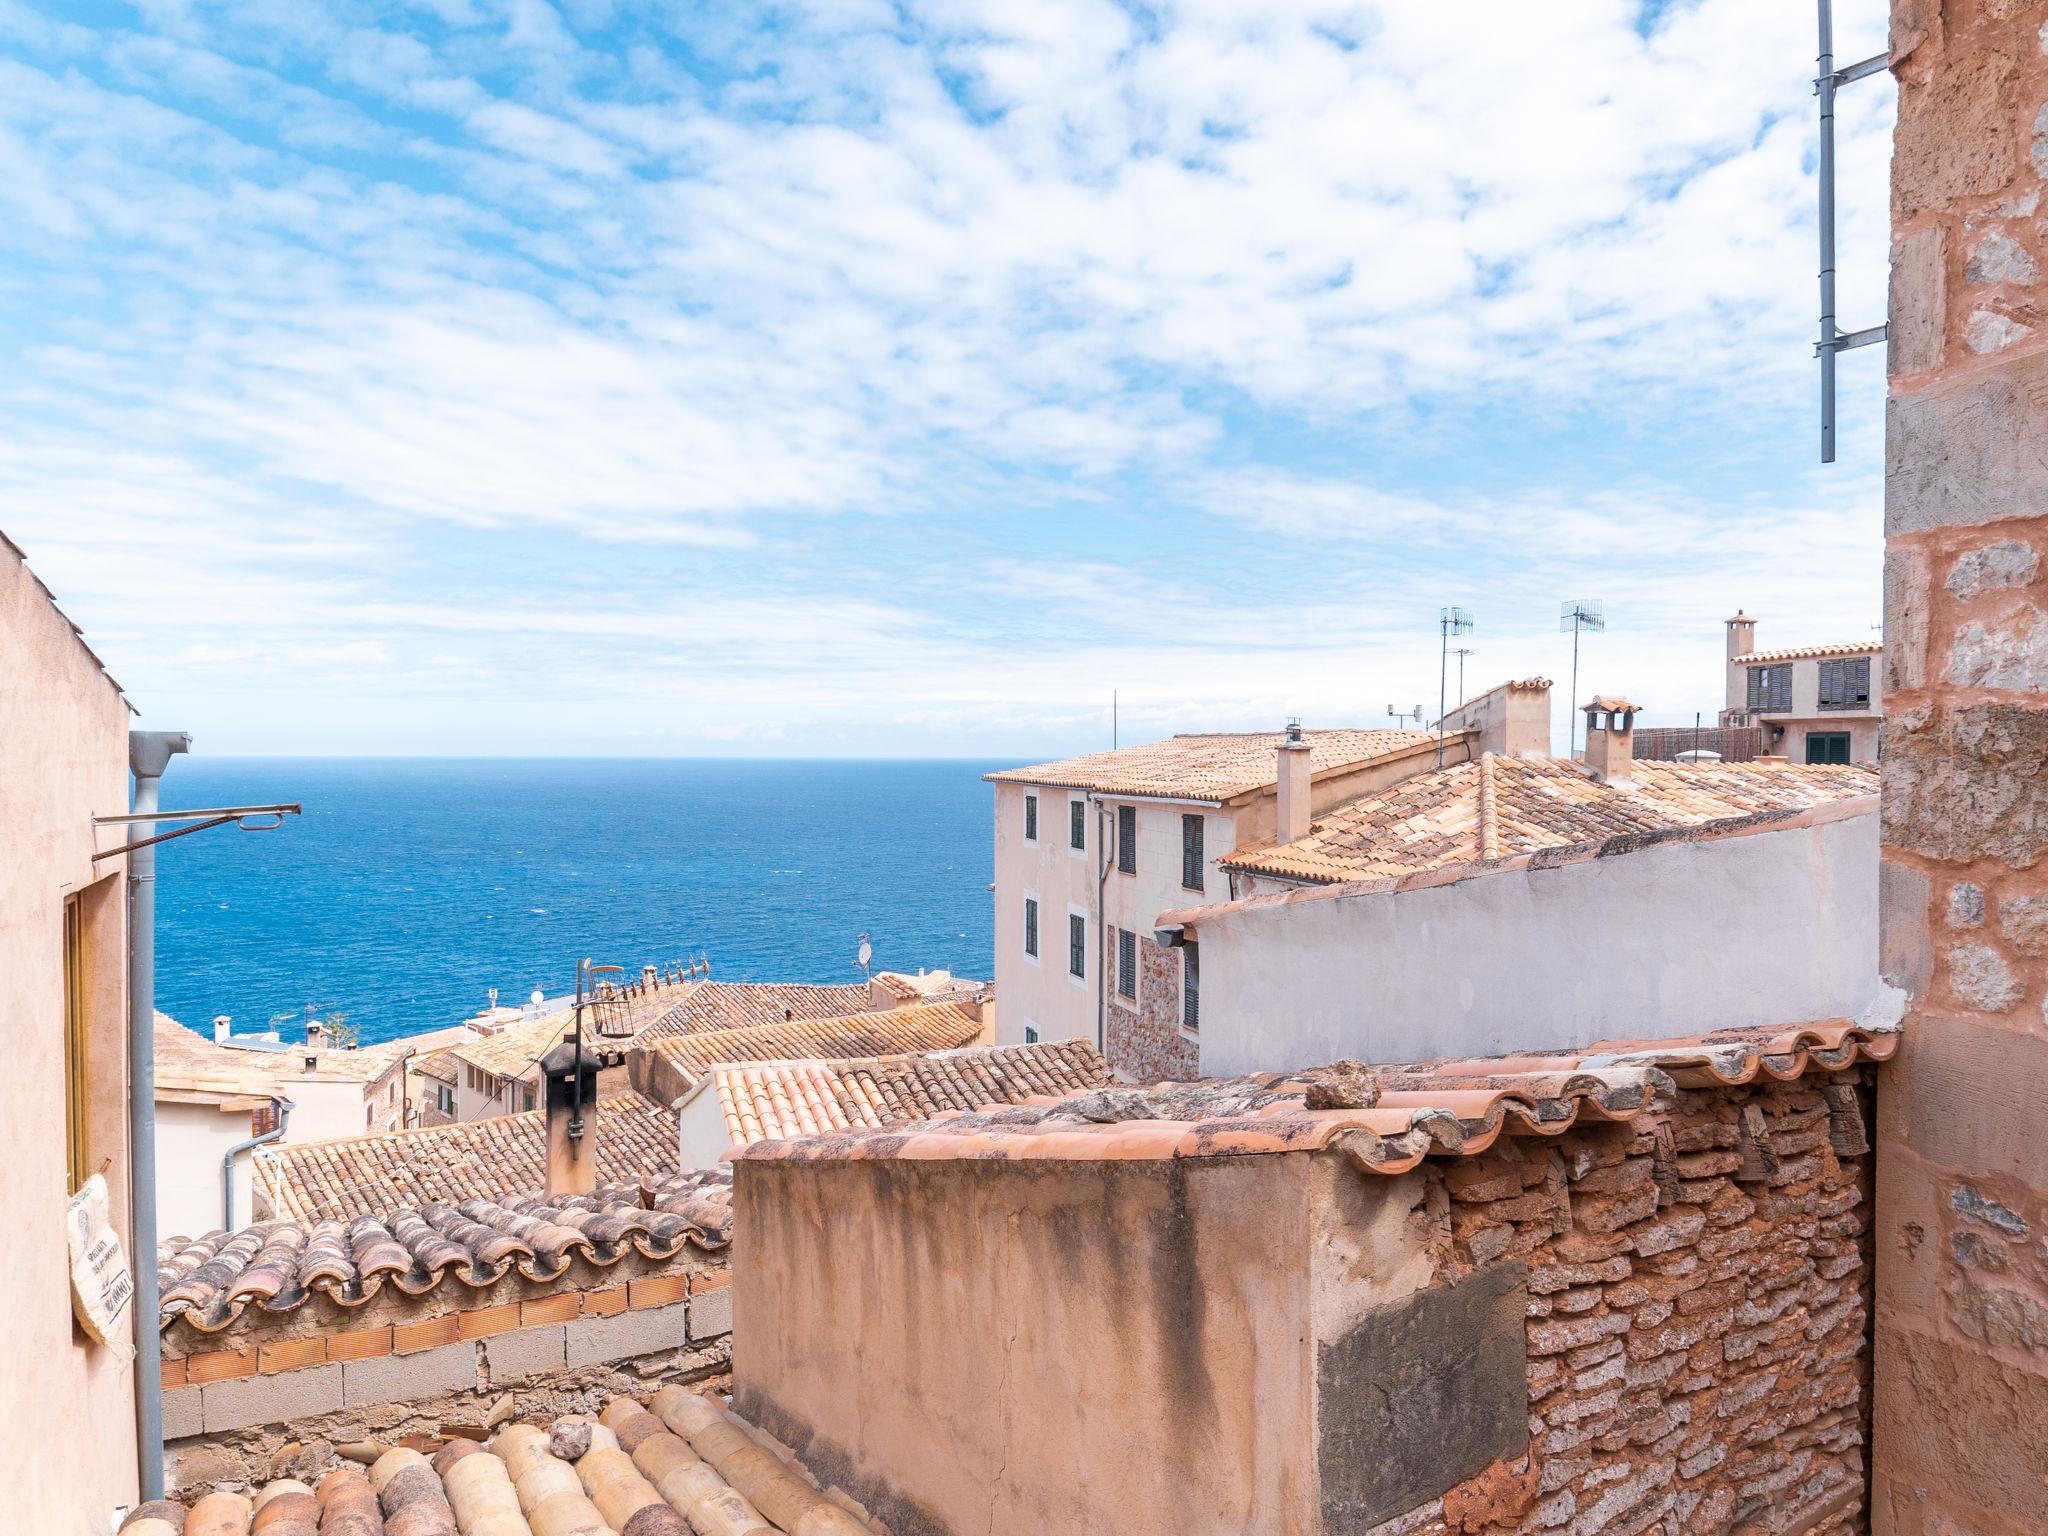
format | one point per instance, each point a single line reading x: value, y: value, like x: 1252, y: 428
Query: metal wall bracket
x: 1834, y: 340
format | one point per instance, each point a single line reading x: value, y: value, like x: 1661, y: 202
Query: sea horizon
x: 414, y: 885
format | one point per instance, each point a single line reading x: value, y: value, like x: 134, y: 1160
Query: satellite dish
x: 867, y: 952
x: 537, y: 999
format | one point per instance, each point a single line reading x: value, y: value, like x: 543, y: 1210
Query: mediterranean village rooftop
x: 882, y: 1259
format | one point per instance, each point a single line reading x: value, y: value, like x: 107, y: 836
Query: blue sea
x: 411, y: 887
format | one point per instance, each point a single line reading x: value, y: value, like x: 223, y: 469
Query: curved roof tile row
x: 280, y: 1265
x: 1453, y: 1108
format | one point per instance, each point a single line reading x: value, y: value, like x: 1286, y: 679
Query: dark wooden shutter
x: 1127, y: 839
x: 1191, y: 853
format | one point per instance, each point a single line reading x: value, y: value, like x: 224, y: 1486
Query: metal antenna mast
x: 1461, y: 652
x: 1833, y: 341
x: 1450, y: 621
x: 1578, y: 616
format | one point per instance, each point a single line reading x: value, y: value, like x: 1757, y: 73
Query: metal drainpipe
x: 227, y: 1161
x: 149, y: 753
x: 1101, y: 920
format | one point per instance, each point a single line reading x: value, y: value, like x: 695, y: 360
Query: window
x: 1191, y: 853
x: 444, y: 1098
x: 1077, y: 824
x: 1191, y: 987
x: 1031, y: 926
x: 1031, y: 818
x: 1127, y: 839
x: 1031, y: 1034
x: 1770, y: 688
x: 1827, y: 746
x: 1126, y: 964
x: 1077, y: 944
x: 1845, y: 683
x: 77, y: 1076
x: 526, y: 1099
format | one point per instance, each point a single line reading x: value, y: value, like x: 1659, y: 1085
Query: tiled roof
x: 515, y: 1051
x: 1384, y: 1119
x: 710, y: 1005
x: 186, y: 1054
x: 1210, y: 767
x: 367, y: 1175
x: 279, y: 1265
x: 1808, y: 653
x: 682, y: 1059
x: 1499, y: 807
x: 683, y: 1462
x: 802, y: 1098
x: 927, y: 986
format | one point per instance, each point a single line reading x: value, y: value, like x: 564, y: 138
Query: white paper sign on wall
x: 102, y: 1288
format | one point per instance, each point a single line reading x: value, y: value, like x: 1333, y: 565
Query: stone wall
x: 1961, y: 1337
x: 1146, y: 1044
x: 1699, y: 1295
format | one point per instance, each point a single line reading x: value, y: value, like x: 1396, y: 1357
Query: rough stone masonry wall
x: 1699, y: 1294
x: 1146, y: 1044
x: 1961, y: 1337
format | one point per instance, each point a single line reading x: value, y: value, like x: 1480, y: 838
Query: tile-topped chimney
x: 1510, y: 719
x: 316, y: 1034
x: 570, y: 1084
x: 1294, y: 818
x: 1741, y: 642
x: 1611, y: 739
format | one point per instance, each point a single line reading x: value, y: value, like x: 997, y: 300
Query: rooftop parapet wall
x: 1961, y: 1341
x: 1626, y: 1323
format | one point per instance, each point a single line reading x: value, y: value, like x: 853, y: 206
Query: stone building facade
x: 1961, y: 1335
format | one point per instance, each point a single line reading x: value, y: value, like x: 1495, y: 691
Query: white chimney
x: 1611, y: 739
x: 222, y: 1027
x: 316, y: 1034
x: 1294, y: 817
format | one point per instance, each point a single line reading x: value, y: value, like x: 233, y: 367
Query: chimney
x: 222, y: 1027
x: 1741, y: 642
x: 1611, y: 739
x: 1510, y: 719
x: 570, y: 1083
x: 316, y: 1034
x: 650, y: 978
x: 1294, y: 817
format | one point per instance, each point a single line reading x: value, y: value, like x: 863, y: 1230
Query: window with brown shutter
x: 1191, y: 853
x: 1127, y: 839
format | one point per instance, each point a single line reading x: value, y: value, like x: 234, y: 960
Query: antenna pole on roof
x: 1578, y: 616
x: 1112, y: 720
x: 1461, y: 652
x: 1831, y: 339
x: 1450, y: 621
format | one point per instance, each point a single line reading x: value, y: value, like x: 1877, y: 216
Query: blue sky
x: 499, y: 376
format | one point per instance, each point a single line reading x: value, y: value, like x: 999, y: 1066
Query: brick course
x: 1699, y: 1294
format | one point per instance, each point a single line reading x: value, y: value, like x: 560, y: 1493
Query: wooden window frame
x: 1192, y: 826
x: 1191, y: 988
x: 1031, y: 818
x: 1127, y: 839
x: 78, y: 1163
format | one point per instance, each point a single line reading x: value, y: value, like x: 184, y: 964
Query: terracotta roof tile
x: 710, y: 1005
x: 1406, y: 1113
x: 184, y: 1052
x: 763, y: 1100
x: 367, y: 1175
x: 277, y: 1266
x: 1499, y: 807
x: 515, y: 1051
x: 1807, y: 653
x: 1210, y: 767
x: 678, y: 1061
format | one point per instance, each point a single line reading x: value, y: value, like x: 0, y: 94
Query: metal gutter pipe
x: 149, y: 753
x: 1102, y: 826
x: 227, y: 1161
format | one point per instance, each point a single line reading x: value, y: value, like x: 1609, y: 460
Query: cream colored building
x: 1815, y: 703
x: 69, y: 1404
x: 1089, y: 850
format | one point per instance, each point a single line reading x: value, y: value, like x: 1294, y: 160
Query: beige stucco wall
x: 1764, y: 928
x: 191, y: 1139
x: 68, y: 1409
x: 1025, y: 1347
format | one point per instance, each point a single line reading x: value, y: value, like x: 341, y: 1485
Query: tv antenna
x: 1461, y: 652
x: 1450, y: 621
x: 1579, y: 616
x: 1414, y: 714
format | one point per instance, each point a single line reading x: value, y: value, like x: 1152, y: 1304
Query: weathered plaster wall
x: 191, y: 1139
x: 1034, y: 1347
x: 1278, y: 1343
x: 1769, y: 927
x: 63, y: 761
x: 1962, y: 1322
